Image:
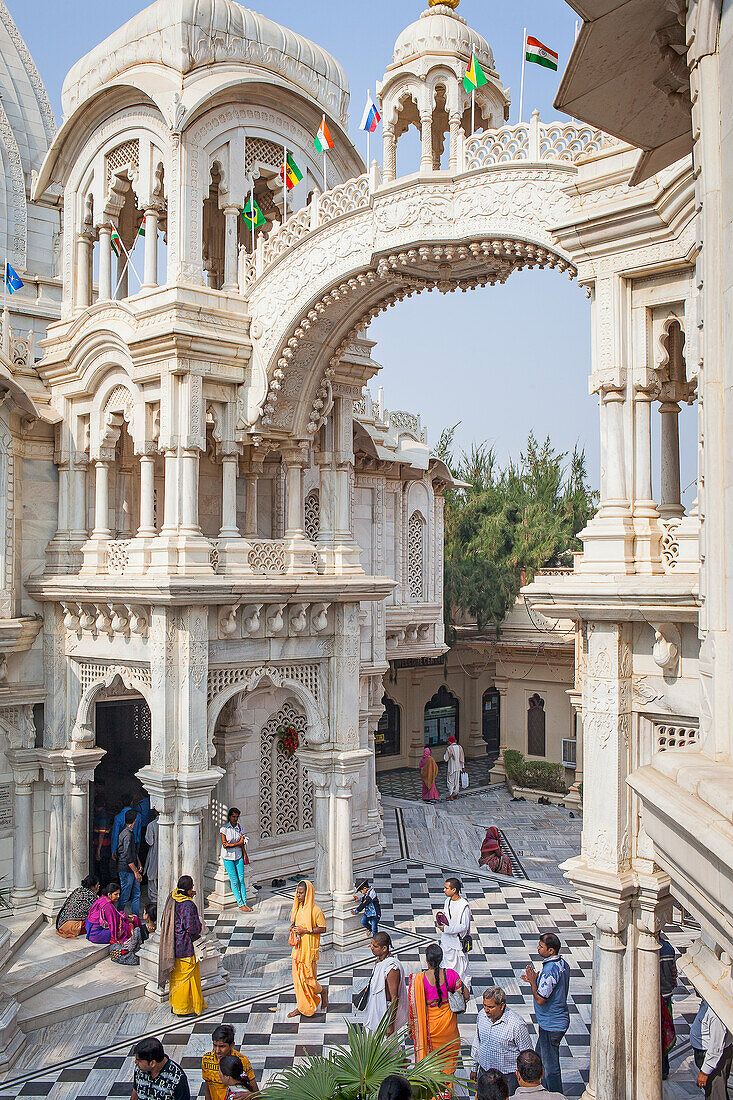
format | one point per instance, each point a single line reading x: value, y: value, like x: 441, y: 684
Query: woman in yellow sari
x: 433, y: 1023
x: 307, y: 925
x: 179, y: 928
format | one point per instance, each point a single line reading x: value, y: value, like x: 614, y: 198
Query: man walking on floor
x: 550, y: 991
x: 712, y: 1047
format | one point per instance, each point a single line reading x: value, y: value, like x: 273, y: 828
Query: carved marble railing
x: 557, y: 143
x: 116, y: 556
x: 668, y: 735
x: 340, y: 200
x: 19, y: 350
x: 267, y: 556
x: 535, y: 143
x: 408, y: 421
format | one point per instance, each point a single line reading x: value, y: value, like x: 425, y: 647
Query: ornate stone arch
x: 116, y: 400
x: 224, y: 684
x: 97, y: 678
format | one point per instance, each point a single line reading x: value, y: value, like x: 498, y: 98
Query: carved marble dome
x: 187, y: 35
x: 440, y: 30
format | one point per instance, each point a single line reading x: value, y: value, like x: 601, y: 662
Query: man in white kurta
x: 379, y: 987
x: 456, y: 764
x: 455, y: 930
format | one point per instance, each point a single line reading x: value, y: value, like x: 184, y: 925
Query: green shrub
x: 537, y: 775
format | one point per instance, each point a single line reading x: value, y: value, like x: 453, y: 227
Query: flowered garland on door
x: 288, y: 740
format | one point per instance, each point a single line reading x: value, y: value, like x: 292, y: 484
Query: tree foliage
x: 510, y: 519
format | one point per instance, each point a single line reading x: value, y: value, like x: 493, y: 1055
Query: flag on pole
x: 539, y: 54
x: 252, y: 213
x: 371, y: 117
x: 293, y: 174
x: 323, y: 140
x: 141, y: 230
x: 475, y: 76
x: 116, y: 243
x: 13, y: 280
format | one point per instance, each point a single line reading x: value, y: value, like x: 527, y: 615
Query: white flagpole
x: 6, y: 319
x: 252, y: 215
x: 473, y: 110
x: 325, y: 185
x: 369, y: 163
x: 521, y: 89
x: 285, y: 184
x: 128, y: 263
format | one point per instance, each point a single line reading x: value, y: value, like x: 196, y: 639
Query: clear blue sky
x: 500, y: 360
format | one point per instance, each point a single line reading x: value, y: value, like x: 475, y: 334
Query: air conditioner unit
x: 569, y: 753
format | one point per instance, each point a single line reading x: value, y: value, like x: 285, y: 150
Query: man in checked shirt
x: 501, y: 1036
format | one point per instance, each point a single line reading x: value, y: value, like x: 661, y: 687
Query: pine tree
x: 508, y: 521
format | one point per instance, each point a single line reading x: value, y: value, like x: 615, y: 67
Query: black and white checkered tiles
x: 507, y: 922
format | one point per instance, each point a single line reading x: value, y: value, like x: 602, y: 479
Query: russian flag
x: 371, y: 116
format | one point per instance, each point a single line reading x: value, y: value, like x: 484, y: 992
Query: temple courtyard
x: 89, y: 1057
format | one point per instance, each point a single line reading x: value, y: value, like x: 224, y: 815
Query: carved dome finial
x: 444, y: 3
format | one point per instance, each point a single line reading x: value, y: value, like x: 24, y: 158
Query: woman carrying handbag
x: 436, y: 997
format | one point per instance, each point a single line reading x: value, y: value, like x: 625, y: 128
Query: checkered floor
x: 507, y: 920
x: 406, y: 782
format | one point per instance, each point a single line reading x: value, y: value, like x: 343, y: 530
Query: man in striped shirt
x: 501, y: 1036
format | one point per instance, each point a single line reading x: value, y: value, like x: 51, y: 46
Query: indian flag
x: 475, y: 76
x: 116, y: 242
x: 541, y: 55
x: 252, y: 214
x: 323, y: 138
x: 290, y: 173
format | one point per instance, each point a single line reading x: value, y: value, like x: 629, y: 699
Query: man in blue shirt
x: 550, y: 992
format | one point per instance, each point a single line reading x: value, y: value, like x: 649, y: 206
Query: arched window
x: 536, y: 726
x: 416, y: 557
x: 490, y: 713
x: 387, y: 737
x: 312, y: 515
x: 441, y: 717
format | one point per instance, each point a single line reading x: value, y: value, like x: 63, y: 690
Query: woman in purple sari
x: 105, y: 924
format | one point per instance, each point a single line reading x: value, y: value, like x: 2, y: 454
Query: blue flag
x: 13, y: 280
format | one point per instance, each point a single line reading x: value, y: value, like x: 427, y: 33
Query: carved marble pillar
x: 147, y: 496
x: 170, y: 494
x: 101, y: 500
x: 426, y: 139
x: 602, y: 874
x: 84, y: 247
x: 390, y: 153
x: 612, y: 404
x: 105, y: 262
x: 646, y: 517
x: 651, y: 912
x: 54, y: 772
x: 455, y: 129
x: 231, y: 246
x: 161, y: 788
x: 189, y: 465
x: 150, y: 269
x: 608, y: 540
x: 78, y: 497
x: 317, y: 772
x: 670, y: 505
x: 81, y: 764
x: 229, y: 467
x: 24, y: 764
x: 250, y: 507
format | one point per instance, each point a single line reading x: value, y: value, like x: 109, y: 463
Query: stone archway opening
x: 122, y: 727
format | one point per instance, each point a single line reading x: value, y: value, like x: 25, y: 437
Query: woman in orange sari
x: 428, y: 774
x: 433, y: 1023
x: 307, y: 925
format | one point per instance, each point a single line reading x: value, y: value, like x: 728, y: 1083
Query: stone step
x: 46, y: 959
x: 21, y: 927
x: 89, y: 991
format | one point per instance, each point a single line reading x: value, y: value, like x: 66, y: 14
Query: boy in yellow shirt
x: 223, y: 1044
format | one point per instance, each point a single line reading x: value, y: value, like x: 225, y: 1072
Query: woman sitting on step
x: 75, y: 910
x: 105, y: 924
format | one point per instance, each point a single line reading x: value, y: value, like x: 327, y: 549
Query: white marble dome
x: 439, y: 30
x: 186, y: 35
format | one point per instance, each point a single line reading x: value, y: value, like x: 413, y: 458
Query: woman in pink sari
x: 429, y: 773
x: 105, y: 924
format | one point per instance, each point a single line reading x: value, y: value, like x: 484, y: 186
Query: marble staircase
x: 52, y: 978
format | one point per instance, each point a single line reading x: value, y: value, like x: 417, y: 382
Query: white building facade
x: 234, y: 539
